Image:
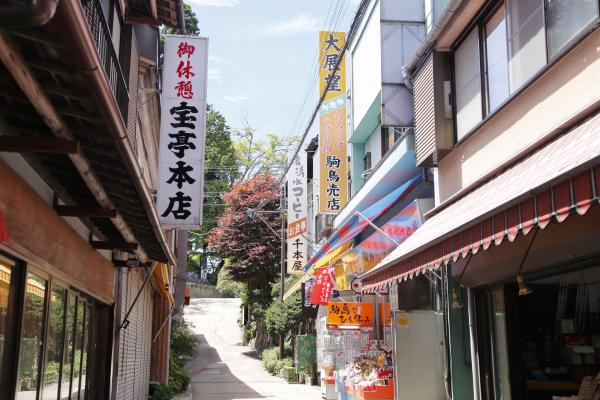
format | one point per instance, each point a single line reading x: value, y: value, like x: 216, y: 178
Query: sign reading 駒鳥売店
x: 297, y: 243
x: 333, y: 176
x: 182, y: 131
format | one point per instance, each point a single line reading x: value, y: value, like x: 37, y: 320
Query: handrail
x: 102, y: 38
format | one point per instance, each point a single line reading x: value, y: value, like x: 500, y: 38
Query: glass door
x: 32, y: 337
x: 55, y: 334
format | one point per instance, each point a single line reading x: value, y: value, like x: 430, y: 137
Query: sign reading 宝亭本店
x: 333, y: 176
x: 297, y: 243
x: 182, y: 130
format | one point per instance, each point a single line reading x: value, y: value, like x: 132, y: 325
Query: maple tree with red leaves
x: 251, y: 248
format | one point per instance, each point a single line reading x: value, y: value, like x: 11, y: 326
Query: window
x: 526, y: 40
x: 390, y: 135
x: 54, y: 342
x: 513, y: 38
x: 566, y: 19
x: 32, y: 337
x: 367, y: 161
x: 468, y: 84
x: 496, y: 59
x: 8, y: 288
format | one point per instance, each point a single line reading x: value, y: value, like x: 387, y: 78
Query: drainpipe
x: 180, y: 17
x: 426, y: 44
x: 73, y: 20
x: 37, y: 13
x: 473, y: 344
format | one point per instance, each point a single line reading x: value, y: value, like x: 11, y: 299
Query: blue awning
x: 356, y: 225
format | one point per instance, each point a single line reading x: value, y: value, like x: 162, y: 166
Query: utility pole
x: 282, y: 265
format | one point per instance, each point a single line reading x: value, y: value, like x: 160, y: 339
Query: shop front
x: 354, y: 332
x: 518, y: 261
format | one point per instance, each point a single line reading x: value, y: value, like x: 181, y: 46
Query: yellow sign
x: 350, y: 314
x: 330, y: 48
x: 402, y: 320
x: 333, y: 159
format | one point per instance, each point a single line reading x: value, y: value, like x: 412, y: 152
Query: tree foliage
x: 260, y: 156
x: 249, y: 242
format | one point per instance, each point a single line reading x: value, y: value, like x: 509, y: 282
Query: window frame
x: 478, y: 22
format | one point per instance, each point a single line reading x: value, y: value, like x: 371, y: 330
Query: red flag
x: 3, y: 231
x: 323, y: 287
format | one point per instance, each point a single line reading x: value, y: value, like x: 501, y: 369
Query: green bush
x: 179, y: 378
x: 282, y: 317
x: 184, y: 345
x: 249, y: 331
x: 271, y: 361
x: 162, y: 392
x: 227, y: 286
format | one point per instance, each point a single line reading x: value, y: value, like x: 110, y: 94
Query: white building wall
x: 366, y: 66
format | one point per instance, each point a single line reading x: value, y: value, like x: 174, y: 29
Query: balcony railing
x: 108, y: 56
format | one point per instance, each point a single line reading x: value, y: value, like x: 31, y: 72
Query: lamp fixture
x: 524, y: 290
x: 456, y: 298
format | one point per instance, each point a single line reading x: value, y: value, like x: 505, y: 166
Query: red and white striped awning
x: 562, y: 177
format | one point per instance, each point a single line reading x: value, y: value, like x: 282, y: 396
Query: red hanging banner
x: 3, y: 231
x: 323, y: 287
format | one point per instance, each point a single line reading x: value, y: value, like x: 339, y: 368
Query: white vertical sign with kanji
x: 182, y: 131
x: 297, y: 243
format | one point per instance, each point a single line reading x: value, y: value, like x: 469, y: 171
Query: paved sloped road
x: 226, y: 370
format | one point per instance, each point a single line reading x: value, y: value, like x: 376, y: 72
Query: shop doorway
x: 49, y: 335
x: 543, y: 345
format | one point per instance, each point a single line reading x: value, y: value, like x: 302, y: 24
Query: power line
x: 351, y: 33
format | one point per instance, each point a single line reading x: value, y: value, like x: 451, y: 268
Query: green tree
x: 260, y: 156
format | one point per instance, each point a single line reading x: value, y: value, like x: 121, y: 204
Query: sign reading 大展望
x: 333, y: 176
x: 182, y: 131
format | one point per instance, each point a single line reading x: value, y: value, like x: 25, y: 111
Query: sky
x: 261, y: 54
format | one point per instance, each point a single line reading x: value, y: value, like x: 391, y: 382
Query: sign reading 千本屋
x: 333, y: 176
x: 297, y: 243
x: 182, y: 131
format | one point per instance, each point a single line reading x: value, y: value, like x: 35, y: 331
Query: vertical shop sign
x: 333, y: 168
x: 182, y: 131
x: 323, y: 287
x: 297, y: 244
x: 308, y: 310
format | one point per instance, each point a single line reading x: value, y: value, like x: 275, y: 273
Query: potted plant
x: 309, y: 373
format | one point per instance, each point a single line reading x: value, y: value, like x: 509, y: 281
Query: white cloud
x: 237, y: 99
x: 300, y: 23
x: 216, y: 3
x: 214, y: 74
x: 214, y: 58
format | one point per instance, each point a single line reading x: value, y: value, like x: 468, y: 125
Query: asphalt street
x: 226, y: 370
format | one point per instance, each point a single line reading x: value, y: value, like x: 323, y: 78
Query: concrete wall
x: 199, y: 290
x: 567, y: 89
x: 40, y: 236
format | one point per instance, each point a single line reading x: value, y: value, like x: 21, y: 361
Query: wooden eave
x: 64, y: 84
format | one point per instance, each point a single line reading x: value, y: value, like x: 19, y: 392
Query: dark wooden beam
x: 64, y: 91
x: 45, y: 38
x: 113, y: 245
x: 124, y: 264
x: 53, y: 66
x: 83, y: 211
x: 17, y: 144
x: 79, y: 113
